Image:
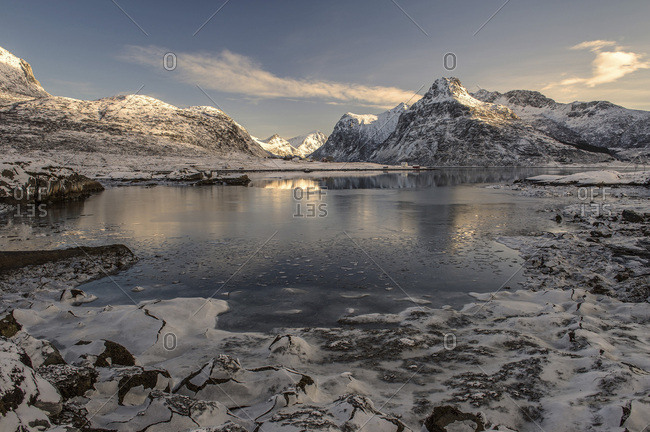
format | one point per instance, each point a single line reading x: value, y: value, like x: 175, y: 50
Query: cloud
x: 595, y: 45
x: 608, y: 66
x: 234, y: 73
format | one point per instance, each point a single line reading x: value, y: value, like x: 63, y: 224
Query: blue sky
x: 290, y: 67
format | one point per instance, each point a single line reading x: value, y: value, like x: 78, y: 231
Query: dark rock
x: 632, y: 216
x: 148, y: 379
x: 446, y: 415
x: 599, y: 289
x: 70, y: 381
x: 54, y: 358
x: 76, y: 297
x: 9, y: 326
x: 237, y: 181
x: 228, y: 181
x: 15, y: 260
x: 622, y: 276
x: 10, y: 399
x: 228, y: 427
x: 114, y: 354
x: 600, y: 234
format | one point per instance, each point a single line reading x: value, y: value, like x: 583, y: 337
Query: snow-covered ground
x: 109, y: 166
x: 591, y: 178
x: 120, y: 167
x: 568, y: 351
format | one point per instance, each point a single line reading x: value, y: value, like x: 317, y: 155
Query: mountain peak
x: 448, y: 126
x: 17, y: 79
x: 275, y: 137
x: 447, y: 87
x: 308, y: 143
x: 450, y: 90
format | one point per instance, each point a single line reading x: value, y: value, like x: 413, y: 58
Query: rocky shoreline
x: 30, y: 181
x: 567, y: 352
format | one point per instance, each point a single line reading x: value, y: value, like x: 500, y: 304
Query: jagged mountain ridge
x: 308, y: 143
x: 300, y: 146
x: 597, y: 123
x: 277, y: 146
x: 32, y: 119
x: 355, y: 136
x: 448, y: 126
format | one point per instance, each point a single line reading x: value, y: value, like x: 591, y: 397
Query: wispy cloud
x: 612, y: 62
x: 594, y: 46
x: 234, y: 73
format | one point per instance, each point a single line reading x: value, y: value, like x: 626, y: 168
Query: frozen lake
x: 357, y: 244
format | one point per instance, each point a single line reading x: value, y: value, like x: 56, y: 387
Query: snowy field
x: 137, y: 167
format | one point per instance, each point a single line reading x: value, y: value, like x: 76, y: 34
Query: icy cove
x: 355, y: 245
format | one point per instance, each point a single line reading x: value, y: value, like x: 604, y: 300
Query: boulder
x: 114, y: 354
x: 632, y: 216
x: 450, y: 416
x: 9, y: 326
x: 76, y: 297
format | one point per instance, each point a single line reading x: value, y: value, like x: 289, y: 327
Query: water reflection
x: 406, y: 179
x: 432, y: 233
x: 285, y: 184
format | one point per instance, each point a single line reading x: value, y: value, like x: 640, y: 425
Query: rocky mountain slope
x: 597, y: 123
x: 31, y: 119
x: 356, y: 136
x: 17, y: 81
x: 450, y: 127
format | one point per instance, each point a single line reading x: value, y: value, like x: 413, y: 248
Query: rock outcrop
x: 40, y: 181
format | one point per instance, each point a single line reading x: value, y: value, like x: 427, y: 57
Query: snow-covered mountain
x: 17, y: 81
x: 597, y: 123
x: 300, y: 146
x: 276, y: 145
x: 450, y: 127
x: 308, y: 143
x: 31, y: 119
x: 356, y: 136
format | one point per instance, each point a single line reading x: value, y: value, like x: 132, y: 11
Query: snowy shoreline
x: 567, y: 352
x: 101, y: 165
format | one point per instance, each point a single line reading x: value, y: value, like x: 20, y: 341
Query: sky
x: 293, y: 66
